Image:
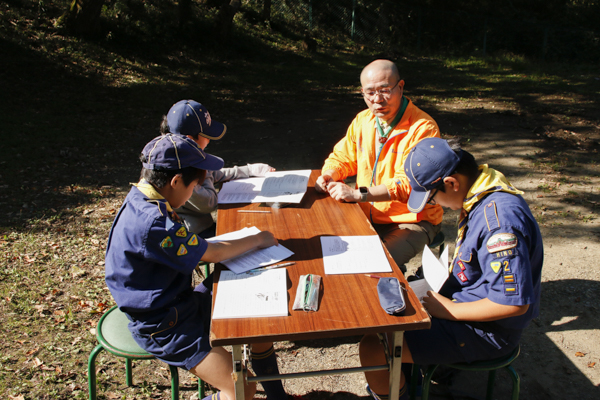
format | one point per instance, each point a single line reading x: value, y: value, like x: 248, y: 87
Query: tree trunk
x: 228, y: 10
x: 83, y: 17
x: 267, y: 10
x: 185, y: 11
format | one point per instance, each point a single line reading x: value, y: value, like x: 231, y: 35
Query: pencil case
x: 390, y: 296
x: 307, y: 293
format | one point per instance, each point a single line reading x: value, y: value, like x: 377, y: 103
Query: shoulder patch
x: 495, y: 266
x: 193, y: 240
x: 491, y: 216
x: 166, y: 242
x: 182, y: 250
x: 181, y: 232
x: 501, y: 241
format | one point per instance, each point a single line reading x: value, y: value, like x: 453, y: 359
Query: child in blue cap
x: 192, y: 119
x: 150, y: 258
x: 493, y: 290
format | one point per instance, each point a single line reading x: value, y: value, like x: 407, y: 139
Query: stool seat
x: 114, y: 336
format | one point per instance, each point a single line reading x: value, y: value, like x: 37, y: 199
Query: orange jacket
x: 356, y: 155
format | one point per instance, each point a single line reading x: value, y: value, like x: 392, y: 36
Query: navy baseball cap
x: 188, y: 117
x: 173, y: 152
x: 427, y: 164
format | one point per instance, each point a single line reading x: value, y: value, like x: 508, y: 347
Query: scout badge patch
x: 501, y: 241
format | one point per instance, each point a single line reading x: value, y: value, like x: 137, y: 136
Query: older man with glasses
x: 374, y: 149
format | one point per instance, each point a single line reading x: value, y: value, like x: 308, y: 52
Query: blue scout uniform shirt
x: 501, y: 254
x: 150, y: 257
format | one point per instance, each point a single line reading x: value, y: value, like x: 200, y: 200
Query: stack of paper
x: 254, y: 258
x: 253, y: 294
x: 353, y: 255
x: 277, y: 186
x: 435, y: 272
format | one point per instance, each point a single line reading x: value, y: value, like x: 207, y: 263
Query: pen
x: 273, y: 266
x: 254, y: 211
x: 374, y: 276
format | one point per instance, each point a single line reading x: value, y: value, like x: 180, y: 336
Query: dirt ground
x: 555, y: 163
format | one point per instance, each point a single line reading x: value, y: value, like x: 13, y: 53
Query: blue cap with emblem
x: 188, y: 117
x: 174, y: 152
x: 428, y: 163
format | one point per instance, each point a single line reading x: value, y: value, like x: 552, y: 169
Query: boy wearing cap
x: 493, y: 290
x: 192, y: 119
x: 150, y: 258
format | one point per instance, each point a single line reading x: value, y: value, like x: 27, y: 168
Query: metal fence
x: 407, y: 25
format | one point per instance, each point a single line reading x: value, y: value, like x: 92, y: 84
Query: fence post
x: 484, y: 36
x: 353, y: 26
x: 419, y: 11
x: 545, y: 42
x: 310, y: 15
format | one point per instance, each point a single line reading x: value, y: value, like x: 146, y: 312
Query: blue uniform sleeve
x: 173, y: 246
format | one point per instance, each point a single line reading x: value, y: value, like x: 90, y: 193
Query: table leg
x: 395, y: 364
x: 238, y: 370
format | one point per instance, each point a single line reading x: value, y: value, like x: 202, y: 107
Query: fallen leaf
x: 37, y: 362
x: 19, y: 397
x: 591, y: 365
x: 32, y: 352
x: 74, y: 342
x: 579, y: 354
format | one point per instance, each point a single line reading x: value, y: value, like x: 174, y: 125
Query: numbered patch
x: 166, y: 242
x: 495, y: 266
x: 182, y: 251
x: 193, y: 240
x: 501, y: 242
x: 181, y: 232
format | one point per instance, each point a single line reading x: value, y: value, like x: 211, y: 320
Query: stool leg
x: 490, y: 385
x: 128, y: 373
x: 200, y: 389
x: 427, y: 382
x: 516, y: 382
x: 174, y: 383
x: 414, y: 379
x: 92, y: 371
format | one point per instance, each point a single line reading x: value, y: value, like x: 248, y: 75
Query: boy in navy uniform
x: 493, y: 290
x: 150, y: 258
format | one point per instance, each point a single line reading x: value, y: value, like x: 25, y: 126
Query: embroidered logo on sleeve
x: 193, y: 241
x: 461, y: 275
x: 166, y: 242
x: 501, y: 242
x: 182, y: 251
x: 495, y: 266
x: 461, y: 265
x: 510, y: 278
x: 181, y: 232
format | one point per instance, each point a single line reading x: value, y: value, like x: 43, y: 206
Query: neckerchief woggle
x: 383, y: 135
x: 489, y: 181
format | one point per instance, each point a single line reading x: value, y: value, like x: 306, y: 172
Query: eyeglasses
x: 431, y: 199
x: 385, y: 92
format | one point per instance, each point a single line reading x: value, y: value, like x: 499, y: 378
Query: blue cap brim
x: 417, y: 200
x: 210, y: 163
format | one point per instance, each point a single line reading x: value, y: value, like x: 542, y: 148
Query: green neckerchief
x: 391, y: 126
x: 489, y: 181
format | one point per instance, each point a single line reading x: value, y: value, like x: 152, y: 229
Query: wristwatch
x: 363, y: 194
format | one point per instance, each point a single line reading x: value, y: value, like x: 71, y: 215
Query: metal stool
x: 114, y: 337
x: 488, y: 365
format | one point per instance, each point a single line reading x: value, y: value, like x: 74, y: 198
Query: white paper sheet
x: 250, y: 295
x: 435, y: 272
x: 353, y: 255
x: 254, y: 258
x: 276, y: 186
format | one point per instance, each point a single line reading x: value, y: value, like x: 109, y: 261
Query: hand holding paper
x: 435, y: 272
